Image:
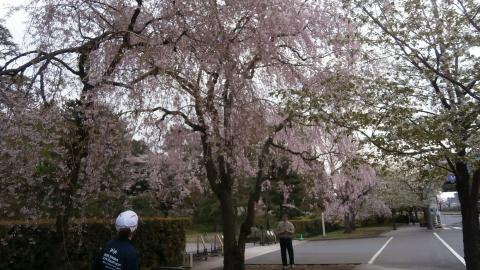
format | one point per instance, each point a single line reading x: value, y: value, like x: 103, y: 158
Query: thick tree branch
x: 44, y: 56
x: 414, y: 53
x: 166, y: 112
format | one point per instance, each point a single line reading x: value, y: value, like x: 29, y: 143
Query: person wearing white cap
x: 119, y: 253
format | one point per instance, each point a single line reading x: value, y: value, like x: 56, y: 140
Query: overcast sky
x: 16, y: 22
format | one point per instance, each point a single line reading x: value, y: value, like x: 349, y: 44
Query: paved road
x: 328, y: 252
x: 418, y: 248
x: 451, y: 220
x: 408, y: 248
x: 452, y: 232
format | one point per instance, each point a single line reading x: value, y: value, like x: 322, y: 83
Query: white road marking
x: 460, y: 258
x: 457, y: 228
x: 380, y: 251
x: 447, y: 228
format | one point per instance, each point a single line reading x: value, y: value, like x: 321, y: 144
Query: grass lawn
x: 205, y: 230
x: 451, y: 213
x: 361, y: 232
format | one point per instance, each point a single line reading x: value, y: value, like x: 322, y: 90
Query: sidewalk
x: 250, y: 252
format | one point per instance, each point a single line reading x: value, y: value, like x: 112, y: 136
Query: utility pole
x: 323, y: 224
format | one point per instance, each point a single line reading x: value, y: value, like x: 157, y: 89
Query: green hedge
x: 159, y: 241
x: 375, y: 221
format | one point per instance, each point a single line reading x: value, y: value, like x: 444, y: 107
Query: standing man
x: 285, y: 231
x: 119, y: 253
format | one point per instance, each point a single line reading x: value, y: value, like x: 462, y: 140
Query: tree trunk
x: 58, y: 256
x: 247, y: 224
x: 427, y: 216
x: 347, y: 223
x: 233, y: 253
x: 267, y: 218
x: 77, y: 150
x: 416, y: 214
x: 468, y: 195
x: 394, y: 222
x: 353, y: 226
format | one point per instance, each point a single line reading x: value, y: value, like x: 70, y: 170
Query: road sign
x: 451, y: 178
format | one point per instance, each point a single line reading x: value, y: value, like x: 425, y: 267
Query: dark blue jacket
x: 117, y: 254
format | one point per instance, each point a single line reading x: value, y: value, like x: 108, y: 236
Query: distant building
x: 453, y: 203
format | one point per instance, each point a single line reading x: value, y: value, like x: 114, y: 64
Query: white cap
x: 127, y: 219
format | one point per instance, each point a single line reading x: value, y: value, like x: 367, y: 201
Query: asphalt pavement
x: 449, y: 220
x: 352, y: 251
x: 417, y: 248
x: 409, y: 247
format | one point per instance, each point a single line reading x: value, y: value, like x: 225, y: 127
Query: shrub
x: 401, y: 219
x: 307, y: 226
x: 159, y: 241
x: 375, y: 221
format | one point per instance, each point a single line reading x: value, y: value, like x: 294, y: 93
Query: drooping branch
x: 166, y: 113
x: 48, y: 56
x: 466, y: 13
x: 305, y: 155
x: 126, y: 41
x: 186, y: 85
x: 415, y: 54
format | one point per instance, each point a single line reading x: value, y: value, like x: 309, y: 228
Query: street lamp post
x: 323, y: 224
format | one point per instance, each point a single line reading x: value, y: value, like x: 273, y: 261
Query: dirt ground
x: 301, y: 267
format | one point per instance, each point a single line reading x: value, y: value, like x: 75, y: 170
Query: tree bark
x: 267, y: 225
x: 347, y: 223
x: 76, y: 151
x: 59, y: 258
x: 411, y: 218
x: 416, y: 214
x: 427, y: 216
x: 233, y: 255
x: 234, y: 251
x: 248, y: 222
x: 353, y: 226
x: 468, y: 190
x: 394, y: 222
